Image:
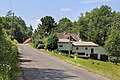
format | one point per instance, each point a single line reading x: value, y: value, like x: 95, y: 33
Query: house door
x: 103, y: 57
x: 92, y: 50
x: 94, y: 56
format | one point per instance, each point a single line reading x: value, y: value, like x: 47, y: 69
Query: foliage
x: 15, y: 41
x: 38, y: 42
x: 51, y: 43
x: 101, y: 26
x: 94, y: 25
x: 29, y: 32
x: 46, y: 26
x: 76, y: 55
x: 16, y: 27
x: 64, y: 25
x: 8, y: 58
x: 112, y: 44
x: 56, y: 51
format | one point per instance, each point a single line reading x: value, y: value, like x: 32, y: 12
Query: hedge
x: 8, y: 59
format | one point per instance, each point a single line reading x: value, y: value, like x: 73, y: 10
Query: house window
x: 77, y: 48
x: 60, y: 45
x: 81, y: 53
x: 86, y: 54
x: 86, y: 48
x: 92, y: 50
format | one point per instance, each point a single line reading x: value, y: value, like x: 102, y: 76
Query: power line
x: 10, y: 4
x: 12, y: 21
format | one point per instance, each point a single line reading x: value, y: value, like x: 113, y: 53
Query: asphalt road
x: 36, y: 65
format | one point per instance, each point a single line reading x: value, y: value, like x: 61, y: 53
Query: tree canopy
x: 46, y: 26
x: 112, y: 44
x: 64, y: 25
x: 16, y: 27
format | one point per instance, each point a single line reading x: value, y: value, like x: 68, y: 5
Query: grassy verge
x: 103, y: 68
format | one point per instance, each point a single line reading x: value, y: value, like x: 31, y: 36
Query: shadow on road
x: 45, y: 74
x: 20, y: 55
x: 21, y: 59
x: 24, y: 60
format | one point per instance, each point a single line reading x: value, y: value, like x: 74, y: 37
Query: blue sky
x: 32, y: 10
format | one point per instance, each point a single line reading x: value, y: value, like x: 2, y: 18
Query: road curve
x: 36, y: 65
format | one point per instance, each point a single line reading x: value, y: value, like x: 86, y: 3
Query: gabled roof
x: 85, y: 44
x: 74, y: 37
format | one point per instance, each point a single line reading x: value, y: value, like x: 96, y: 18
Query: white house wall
x: 101, y: 50
x: 65, y: 47
x: 97, y: 50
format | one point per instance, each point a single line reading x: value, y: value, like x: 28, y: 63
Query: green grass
x: 107, y: 69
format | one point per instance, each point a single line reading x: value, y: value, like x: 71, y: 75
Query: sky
x: 32, y: 10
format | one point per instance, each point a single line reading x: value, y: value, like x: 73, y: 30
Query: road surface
x: 36, y: 65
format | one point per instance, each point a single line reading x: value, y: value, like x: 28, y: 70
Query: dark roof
x: 74, y: 37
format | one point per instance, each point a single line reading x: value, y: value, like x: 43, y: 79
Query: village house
x: 84, y: 49
x: 64, y: 44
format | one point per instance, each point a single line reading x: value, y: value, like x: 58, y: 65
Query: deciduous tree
x: 112, y: 44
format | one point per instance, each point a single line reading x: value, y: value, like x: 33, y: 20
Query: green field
x: 107, y: 69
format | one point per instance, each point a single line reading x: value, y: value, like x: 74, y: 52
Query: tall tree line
x: 94, y: 26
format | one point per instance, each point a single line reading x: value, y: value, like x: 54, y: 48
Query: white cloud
x: 34, y: 23
x: 94, y: 1
x: 65, y: 9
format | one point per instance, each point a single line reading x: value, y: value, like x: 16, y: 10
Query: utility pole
x: 12, y: 31
x: 69, y: 30
x: 69, y: 45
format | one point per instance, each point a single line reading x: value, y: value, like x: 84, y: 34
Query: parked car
x: 40, y: 46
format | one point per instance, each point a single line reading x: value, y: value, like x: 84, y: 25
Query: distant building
x: 27, y: 40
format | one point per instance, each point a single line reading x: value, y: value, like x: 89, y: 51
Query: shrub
x: 64, y: 54
x: 38, y: 42
x: 114, y: 60
x: 15, y: 41
x: 76, y: 55
x: 56, y: 51
x: 8, y: 59
x: 51, y: 43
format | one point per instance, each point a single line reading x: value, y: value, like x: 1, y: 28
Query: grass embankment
x: 103, y: 68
